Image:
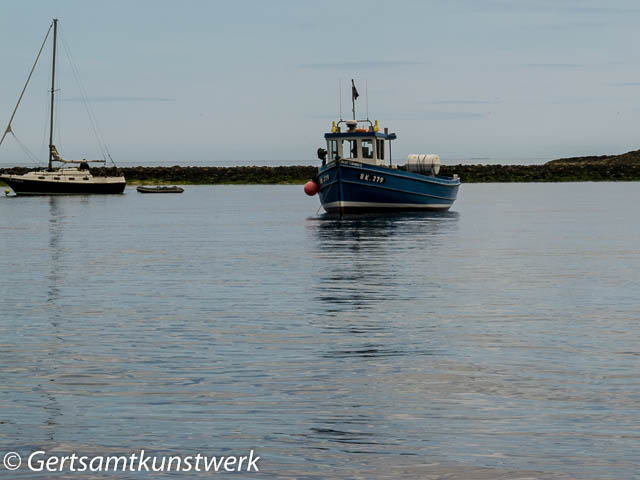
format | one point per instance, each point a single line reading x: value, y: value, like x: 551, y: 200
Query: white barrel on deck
x: 424, y: 163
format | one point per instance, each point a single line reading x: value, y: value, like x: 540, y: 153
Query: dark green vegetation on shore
x: 629, y: 158
x: 625, y: 167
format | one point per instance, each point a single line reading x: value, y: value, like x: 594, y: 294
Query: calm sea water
x: 499, y: 340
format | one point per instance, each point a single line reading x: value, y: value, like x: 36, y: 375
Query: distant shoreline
x: 565, y: 170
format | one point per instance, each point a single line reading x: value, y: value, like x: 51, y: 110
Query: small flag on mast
x: 354, y: 91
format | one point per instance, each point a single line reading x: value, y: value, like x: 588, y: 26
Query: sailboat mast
x: 53, y: 84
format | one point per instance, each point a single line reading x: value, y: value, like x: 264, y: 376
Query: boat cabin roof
x: 367, y: 134
x: 362, y: 129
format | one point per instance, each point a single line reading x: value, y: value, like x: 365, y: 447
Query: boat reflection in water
x: 370, y: 307
x: 372, y: 263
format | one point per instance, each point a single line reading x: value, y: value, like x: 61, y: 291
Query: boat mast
x: 53, y: 84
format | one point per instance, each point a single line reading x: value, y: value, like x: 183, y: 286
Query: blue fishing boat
x: 357, y: 173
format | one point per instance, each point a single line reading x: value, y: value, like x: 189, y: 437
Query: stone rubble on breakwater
x: 543, y: 173
x: 556, y: 171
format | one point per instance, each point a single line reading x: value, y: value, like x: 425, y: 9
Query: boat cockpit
x: 360, y: 142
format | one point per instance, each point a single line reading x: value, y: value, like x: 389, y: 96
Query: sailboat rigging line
x: 24, y: 148
x: 58, y: 114
x: 44, y: 146
x: 109, y: 155
x: 8, y: 129
x: 85, y: 99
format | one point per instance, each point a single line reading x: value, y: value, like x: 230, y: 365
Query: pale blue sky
x: 256, y: 82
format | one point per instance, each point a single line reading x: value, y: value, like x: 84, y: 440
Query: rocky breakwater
x: 212, y: 175
x: 624, y: 167
x: 543, y: 173
x: 200, y: 175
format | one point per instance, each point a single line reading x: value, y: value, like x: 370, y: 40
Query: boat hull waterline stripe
x: 417, y: 206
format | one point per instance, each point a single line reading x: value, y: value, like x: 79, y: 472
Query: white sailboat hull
x: 67, y: 181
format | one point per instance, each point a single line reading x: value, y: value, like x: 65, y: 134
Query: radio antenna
x: 366, y: 95
x: 340, y: 96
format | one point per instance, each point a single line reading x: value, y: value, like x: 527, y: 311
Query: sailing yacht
x: 59, y: 180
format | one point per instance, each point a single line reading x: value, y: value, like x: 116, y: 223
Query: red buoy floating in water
x: 311, y: 188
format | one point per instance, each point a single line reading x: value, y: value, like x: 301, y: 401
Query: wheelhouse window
x: 367, y: 148
x: 380, y: 146
x: 332, y: 147
x: 349, y: 149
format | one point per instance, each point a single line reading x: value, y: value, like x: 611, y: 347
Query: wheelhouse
x: 360, y: 142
